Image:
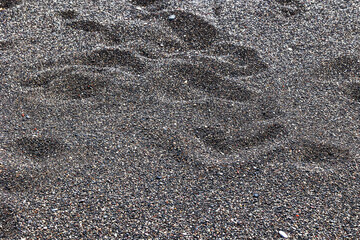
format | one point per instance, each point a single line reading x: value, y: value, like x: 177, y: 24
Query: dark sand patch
x: 291, y: 8
x: 145, y: 2
x: 227, y: 67
x: 6, y: 45
x: 78, y: 86
x: 317, y: 152
x: 207, y: 80
x: 87, y: 26
x: 223, y: 143
x: 15, y: 180
x: 39, y: 147
x: 9, y: 3
x: 70, y: 14
x: 67, y: 84
x: 112, y: 58
x: 8, y: 223
x: 353, y: 91
x: 344, y: 65
x: 245, y: 59
x: 235, y: 115
x: 146, y: 35
x: 39, y: 80
x: 197, y: 32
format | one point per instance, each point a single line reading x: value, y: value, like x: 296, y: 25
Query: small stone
x: 172, y: 17
x: 158, y: 177
x: 54, y: 209
x: 283, y: 234
x: 256, y: 195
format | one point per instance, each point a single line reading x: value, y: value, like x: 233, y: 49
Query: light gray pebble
x: 283, y: 234
x: 172, y: 17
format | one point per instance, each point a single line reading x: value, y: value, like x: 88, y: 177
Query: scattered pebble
x: 172, y: 17
x: 256, y: 195
x: 283, y: 234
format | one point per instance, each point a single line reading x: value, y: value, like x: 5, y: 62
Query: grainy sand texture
x: 207, y: 119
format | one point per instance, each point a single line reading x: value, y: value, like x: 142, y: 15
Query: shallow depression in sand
x: 6, y: 45
x: 307, y: 151
x: 235, y: 115
x: 145, y: 2
x: 14, y: 180
x: 78, y: 86
x: 40, y: 80
x: 245, y: 59
x: 68, y: 83
x: 207, y: 80
x: 112, y: 58
x: 192, y: 29
x: 290, y: 8
x: 68, y: 14
x: 8, y: 3
x: 8, y: 224
x: 353, y: 91
x: 39, y: 147
x: 87, y: 25
x: 343, y: 65
x: 229, y: 143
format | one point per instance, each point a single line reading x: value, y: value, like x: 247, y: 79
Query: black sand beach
x: 217, y: 119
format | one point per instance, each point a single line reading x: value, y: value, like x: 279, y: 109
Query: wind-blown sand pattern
x: 218, y: 119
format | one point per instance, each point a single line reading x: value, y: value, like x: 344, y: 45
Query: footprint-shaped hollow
x: 353, y: 91
x: 344, y: 64
x: 40, y: 80
x: 78, y: 86
x: 191, y: 28
x: 291, y: 7
x: 318, y: 152
x: 225, y: 143
x: 144, y: 3
x: 287, y: 2
x: 241, y: 56
x: 8, y: 3
x: 14, y: 180
x: 112, y: 58
x: 86, y: 25
x: 208, y: 81
x: 6, y: 44
x: 68, y: 14
x: 39, y: 147
x: 8, y: 223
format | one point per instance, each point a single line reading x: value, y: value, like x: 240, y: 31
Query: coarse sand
x: 208, y: 119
